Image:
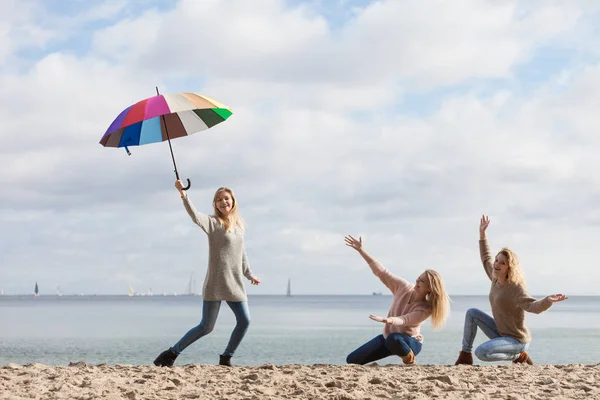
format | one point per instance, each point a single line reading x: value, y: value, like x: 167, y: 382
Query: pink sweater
x: 406, y: 317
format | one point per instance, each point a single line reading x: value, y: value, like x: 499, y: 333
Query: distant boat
x: 377, y: 294
x: 58, y: 291
x: 191, y: 288
x: 36, y: 291
x: 1, y: 291
x: 289, y: 288
x: 131, y: 291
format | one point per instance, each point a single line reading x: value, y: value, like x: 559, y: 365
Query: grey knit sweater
x: 227, y: 260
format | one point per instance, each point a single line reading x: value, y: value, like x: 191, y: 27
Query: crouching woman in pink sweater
x: 411, y: 306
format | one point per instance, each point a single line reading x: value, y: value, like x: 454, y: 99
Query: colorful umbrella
x: 164, y: 117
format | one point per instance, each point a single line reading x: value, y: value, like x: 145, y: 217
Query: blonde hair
x: 233, y: 219
x: 514, y: 274
x: 438, y: 298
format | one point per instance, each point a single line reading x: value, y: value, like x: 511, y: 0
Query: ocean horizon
x: 297, y: 329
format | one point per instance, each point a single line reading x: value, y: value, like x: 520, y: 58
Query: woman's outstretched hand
x: 555, y: 298
x: 179, y: 186
x: 483, y: 225
x: 255, y: 280
x: 354, y: 243
x: 379, y: 319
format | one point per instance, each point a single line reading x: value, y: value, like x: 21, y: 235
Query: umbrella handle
x: 188, y: 185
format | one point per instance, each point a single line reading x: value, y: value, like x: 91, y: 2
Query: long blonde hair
x: 438, y: 298
x: 514, y: 273
x: 233, y: 219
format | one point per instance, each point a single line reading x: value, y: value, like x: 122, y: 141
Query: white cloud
x: 385, y: 42
x: 5, y: 42
x: 320, y: 145
x: 129, y: 38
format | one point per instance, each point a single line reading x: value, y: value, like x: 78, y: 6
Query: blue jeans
x: 210, y: 311
x: 379, y: 347
x: 499, y: 348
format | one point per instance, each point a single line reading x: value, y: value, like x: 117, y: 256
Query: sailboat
x: 36, y: 291
x: 289, y: 288
x: 1, y: 291
x: 58, y: 291
x: 131, y: 291
x: 191, y: 288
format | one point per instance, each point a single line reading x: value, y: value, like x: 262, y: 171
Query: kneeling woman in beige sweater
x: 411, y: 306
x: 509, y: 300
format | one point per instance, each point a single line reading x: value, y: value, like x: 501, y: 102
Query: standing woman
x: 509, y: 300
x: 227, y: 263
x: 411, y: 306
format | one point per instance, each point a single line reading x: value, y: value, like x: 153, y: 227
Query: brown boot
x: 523, y: 358
x: 409, y: 358
x: 464, y: 358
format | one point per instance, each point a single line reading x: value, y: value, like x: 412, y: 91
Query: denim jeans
x: 499, y: 348
x: 379, y: 347
x: 210, y: 311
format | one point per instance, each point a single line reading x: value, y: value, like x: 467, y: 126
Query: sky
x: 402, y: 122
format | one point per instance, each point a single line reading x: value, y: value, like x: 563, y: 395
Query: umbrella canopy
x: 164, y: 117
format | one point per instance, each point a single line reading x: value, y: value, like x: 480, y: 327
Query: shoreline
x: 296, y: 381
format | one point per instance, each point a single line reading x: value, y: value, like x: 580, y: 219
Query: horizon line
x: 249, y: 295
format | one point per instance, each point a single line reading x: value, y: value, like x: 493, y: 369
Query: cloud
x: 325, y: 140
x: 384, y: 42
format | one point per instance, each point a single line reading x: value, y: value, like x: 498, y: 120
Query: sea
x: 303, y: 329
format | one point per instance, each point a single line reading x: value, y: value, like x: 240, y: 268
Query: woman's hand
x: 555, y: 298
x: 255, y: 280
x: 352, y: 242
x: 483, y: 225
x: 380, y: 319
x: 179, y: 186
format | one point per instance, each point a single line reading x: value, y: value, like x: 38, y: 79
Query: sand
x: 82, y: 382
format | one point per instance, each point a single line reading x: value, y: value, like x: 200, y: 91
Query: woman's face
x: 500, y: 270
x: 422, y: 284
x: 224, y: 202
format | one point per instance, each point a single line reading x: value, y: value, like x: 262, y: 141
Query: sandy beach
x: 84, y: 382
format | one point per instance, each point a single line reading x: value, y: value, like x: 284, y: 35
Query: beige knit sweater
x: 509, y: 301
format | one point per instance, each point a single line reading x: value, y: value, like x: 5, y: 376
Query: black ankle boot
x: 166, y: 358
x: 225, y: 360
